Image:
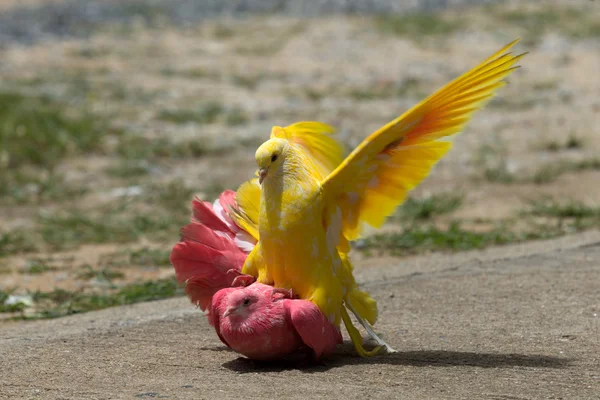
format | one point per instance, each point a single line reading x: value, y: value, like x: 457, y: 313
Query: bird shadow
x: 418, y: 358
x: 216, y: 348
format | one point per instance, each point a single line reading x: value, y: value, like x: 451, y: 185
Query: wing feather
x: 376, y: 177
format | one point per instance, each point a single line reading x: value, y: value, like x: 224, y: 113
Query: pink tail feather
x: 207, y: 257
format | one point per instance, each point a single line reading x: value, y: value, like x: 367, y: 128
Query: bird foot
x: 385, y: 348
x: 282, y: 293
x: 242, y: 280
x: 357, y: 339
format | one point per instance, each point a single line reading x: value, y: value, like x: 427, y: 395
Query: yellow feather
x: 247, y: 199
x: 359, y: 182
x: 316, y: 140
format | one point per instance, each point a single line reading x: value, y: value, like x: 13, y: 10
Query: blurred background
x: 114, y: 114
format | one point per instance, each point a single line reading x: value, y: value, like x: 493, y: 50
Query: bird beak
x: 229, y: 311
x: 261, y: 174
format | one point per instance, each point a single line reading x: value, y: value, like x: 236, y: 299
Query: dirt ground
x: 521, y: 322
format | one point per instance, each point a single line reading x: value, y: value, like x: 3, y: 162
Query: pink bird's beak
x: 261, y: 174
x: 229, y: 311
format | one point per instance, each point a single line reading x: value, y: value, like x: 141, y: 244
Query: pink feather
x: 207, y: 257
x: 315, y: 330
x: 204, y: 214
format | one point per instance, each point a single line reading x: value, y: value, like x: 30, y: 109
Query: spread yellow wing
x: 376, y: 177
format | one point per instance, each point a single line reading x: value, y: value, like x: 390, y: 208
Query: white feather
x: 244, y: 241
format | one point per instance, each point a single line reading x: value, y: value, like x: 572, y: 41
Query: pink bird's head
x: 241, y: 304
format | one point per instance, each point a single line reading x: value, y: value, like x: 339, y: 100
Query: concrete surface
x: 518, y: 322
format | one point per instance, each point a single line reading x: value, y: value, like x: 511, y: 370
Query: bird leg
x: 369, y: 328
x: 357, y: 337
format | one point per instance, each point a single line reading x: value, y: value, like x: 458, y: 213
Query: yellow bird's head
x: 270, y: 156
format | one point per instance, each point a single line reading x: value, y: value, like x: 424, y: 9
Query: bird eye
x: 246, y: 301
x: 274, y: 157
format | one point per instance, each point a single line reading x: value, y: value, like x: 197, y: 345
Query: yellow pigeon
x: 308, y: 201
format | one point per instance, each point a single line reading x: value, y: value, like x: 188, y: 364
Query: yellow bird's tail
x: 362, y: 303
x: 364, y: 308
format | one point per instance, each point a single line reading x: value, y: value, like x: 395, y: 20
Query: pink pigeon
x: 258, y: 321
x: 263, y: 323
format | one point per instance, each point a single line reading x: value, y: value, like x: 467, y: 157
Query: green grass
x: 63, y: 230
x: 71, y: 229
x: 573, y: 142
x: 236, y: 116
x: 213, y: 189
x: 143, y: 256
x: 574, y: 23
x: 37, y: 266
x: 429, y: 207
x: 41, y: 132
x: 408, y: 87
x: 133, y: 148
x: 492, y: 161
x: 61, y: 302
x: 263, y: 48
x: 569, y: 209
x: 542, y: 219
x: 101, y: 274
x: 91, y: 52
x: 418, y: 239
x: 173, y: 197
x: 417, y: 25
x: 159, y: 215
x: 168, y: 210
x: 17, y: 241
x: 9, y: 308
x: 129, y: 169
x: 546, y: 85
x: 314, y: 94
x: 150, y: 290
x: 550, y: 172
x: 148, y: 256
x: 546, y: 174
x: 33, y: 186
x: 517, y: 103
x: 222, y: 32
x: 37, y: 134
x: 249, y: 82
x: 193, y: 73
x: 208, y: 114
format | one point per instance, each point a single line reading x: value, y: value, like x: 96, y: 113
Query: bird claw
x: 242, y: 280
x: 285, y: 293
